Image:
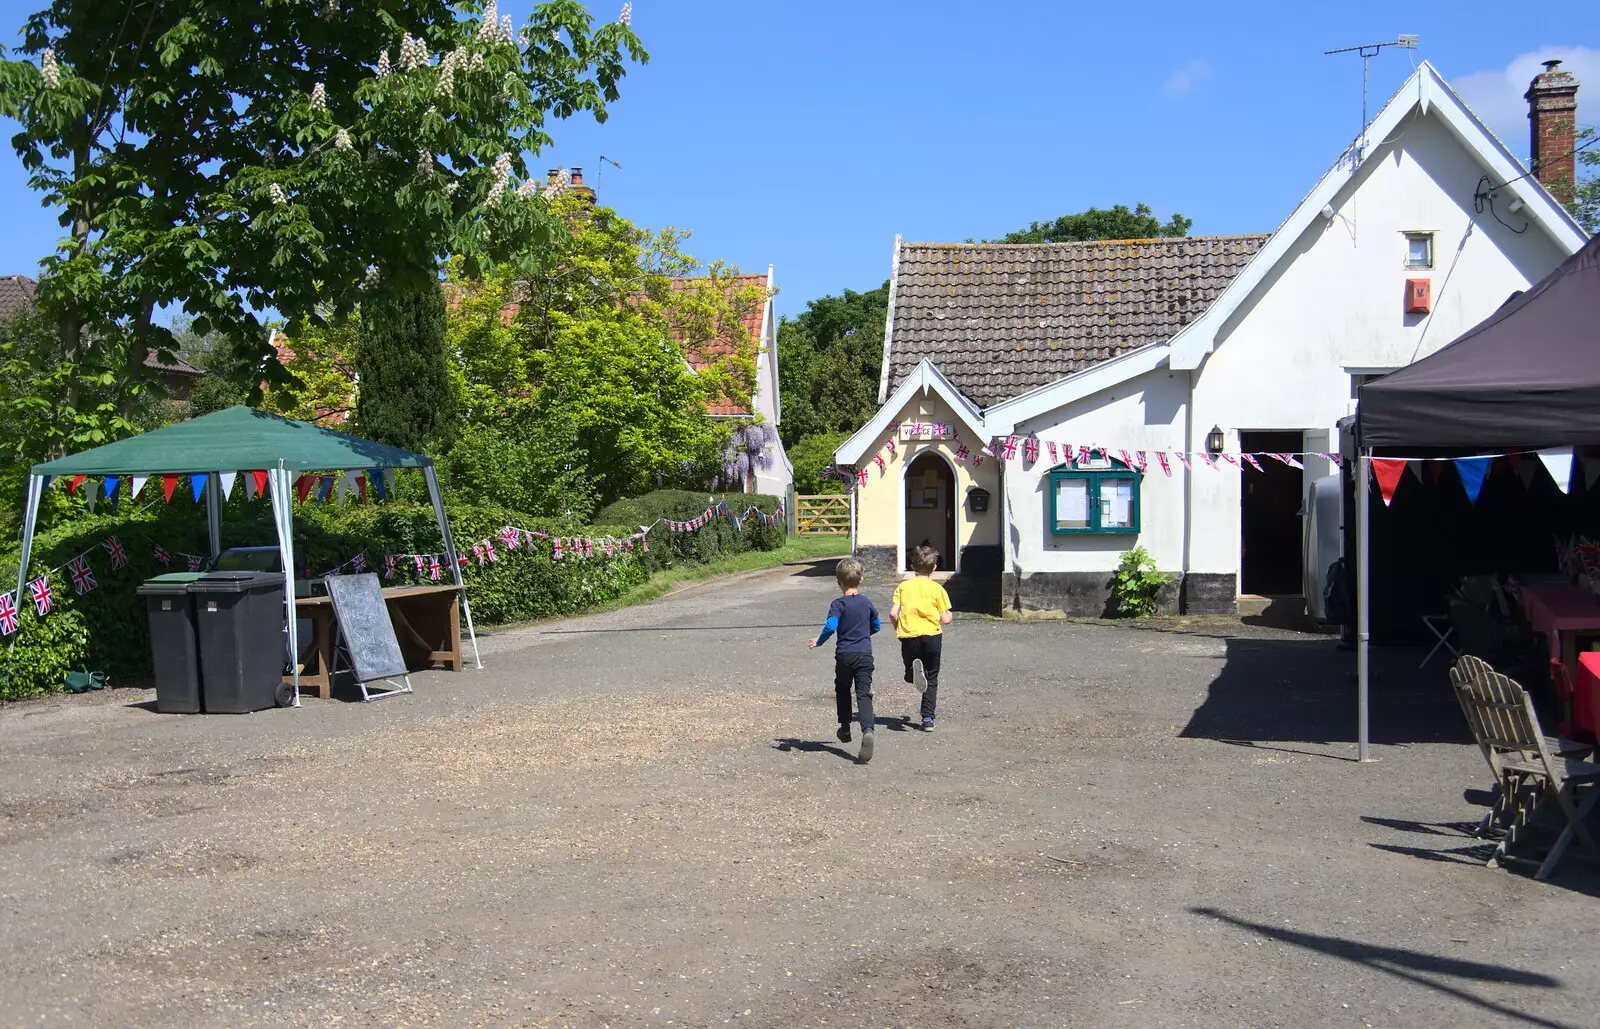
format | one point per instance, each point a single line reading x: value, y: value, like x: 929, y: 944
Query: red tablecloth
x: 1586, y: 696
x: 1554, y: 609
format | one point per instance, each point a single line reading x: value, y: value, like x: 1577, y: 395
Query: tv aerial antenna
x: 1368, y: 51
x: 600, y: 169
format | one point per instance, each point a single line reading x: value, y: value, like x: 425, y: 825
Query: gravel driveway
x: 642, y: 819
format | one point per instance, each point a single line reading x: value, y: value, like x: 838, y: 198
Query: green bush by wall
x: 107, y: 629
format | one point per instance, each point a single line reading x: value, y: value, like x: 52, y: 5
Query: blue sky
x: 807, y: 134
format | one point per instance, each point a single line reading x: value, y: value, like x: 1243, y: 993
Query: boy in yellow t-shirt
x: 920, y: 611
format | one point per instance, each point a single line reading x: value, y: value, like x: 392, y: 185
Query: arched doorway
x: 930, y: 509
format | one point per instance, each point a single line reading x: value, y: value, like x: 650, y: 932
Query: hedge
x: 107, y: 628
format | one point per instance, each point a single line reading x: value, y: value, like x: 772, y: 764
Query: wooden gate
x: 822, y: 515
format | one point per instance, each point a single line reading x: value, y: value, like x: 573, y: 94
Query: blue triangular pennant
x: 1472, y: 471
x: 197, y: 483
x: 375, y: 477
x: 111, y: 486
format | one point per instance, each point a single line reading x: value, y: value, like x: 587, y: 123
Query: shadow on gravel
x: 822, y: 569
x: 1453, y: 843
x: 896, y: 723
x: 1413, y: 966
x: 1302, y: 691
x: 790, y: 744
x: 678, y: 628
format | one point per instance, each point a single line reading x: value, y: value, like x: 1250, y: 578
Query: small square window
x: 1419, y: 250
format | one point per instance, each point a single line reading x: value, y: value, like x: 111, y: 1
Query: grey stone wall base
x: 877, y: 562
x: 1088, y: 594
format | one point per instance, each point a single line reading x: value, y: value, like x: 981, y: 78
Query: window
x: 1102, y: 500
x: 1419, y: 250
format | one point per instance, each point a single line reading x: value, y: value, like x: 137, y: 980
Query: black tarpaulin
x: 1526, y: 376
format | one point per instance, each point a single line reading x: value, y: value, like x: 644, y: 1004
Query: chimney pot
x: 1552, y: 129
x: 577, y: 176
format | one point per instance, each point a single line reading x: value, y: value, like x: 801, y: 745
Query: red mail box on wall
x: 1419, y: 296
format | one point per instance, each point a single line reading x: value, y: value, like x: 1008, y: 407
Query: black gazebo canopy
x: 1526, y: 376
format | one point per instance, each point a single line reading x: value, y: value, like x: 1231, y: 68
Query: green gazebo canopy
x: 238, y: 439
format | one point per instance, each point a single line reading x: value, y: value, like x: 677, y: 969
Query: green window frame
x: 1091, y: 513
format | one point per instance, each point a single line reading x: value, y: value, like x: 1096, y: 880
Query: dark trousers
x: 853, y: 670
x: 927, y: 648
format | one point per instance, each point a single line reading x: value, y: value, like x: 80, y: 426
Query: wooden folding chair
x: 1531, y: 773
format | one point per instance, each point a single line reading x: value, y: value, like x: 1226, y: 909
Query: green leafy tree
x: 227, y: 156
x: 1585, y: 205
x: 829, y: 359
x: 405, y: 398
x: 811, y: 456
x: 321, y: 383
x: 1117, y: 223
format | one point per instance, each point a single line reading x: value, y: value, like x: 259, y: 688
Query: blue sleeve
x: 876, y: 625
x: 831, y: 626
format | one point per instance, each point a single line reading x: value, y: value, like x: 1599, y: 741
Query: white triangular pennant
x: 138, y: 484
x: 1558, y: 462
x: 249, y: 486
x: 90, y: 495
x: 225, y: 479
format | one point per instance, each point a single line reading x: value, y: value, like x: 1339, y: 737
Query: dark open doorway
x: 1270, y: 500
x: 930, y: 514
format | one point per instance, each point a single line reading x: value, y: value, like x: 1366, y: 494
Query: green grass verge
x: 797, y: 548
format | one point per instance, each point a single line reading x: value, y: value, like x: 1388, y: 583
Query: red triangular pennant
x: 302, y: 486
x: 73, y: 484
x: 261, y: 483
x: 1388, y: 471
x: 168, y: 484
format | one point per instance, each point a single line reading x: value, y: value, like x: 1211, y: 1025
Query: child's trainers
x: 927, y: 725
x: 866, y: 749
x: 844, y: 733
x: 919, y: 678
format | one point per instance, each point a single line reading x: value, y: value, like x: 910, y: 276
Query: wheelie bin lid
x: 171, y: 582
x: 234, y: 582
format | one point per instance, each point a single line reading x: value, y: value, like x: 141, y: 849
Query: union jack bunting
x: 193, y: 562
x: 461, y: 560
x: 1051, y: 448
x: 119, y: 555
x: 163, y: 557
x: 39, y: 589
x: 890, y: 444
x: 1289, y: 459
x: 861, y: 476
x: 477, y: 552
x: 511, y: 536
x: 1250, y: 459
x: 1144, y: 462
x: 8, y: 614
x: 388, y: 566
x: 359, y: 562
x: 1009, y: 448
x: 1161, y: 459
x: 1183, y: 459
x: 82, y: 575
x: 417, y: 560
x: 1337, y: 460
x: 962, y: 452
x: 1230, y: 459
x: 1083, y: 455
x: 1127, y: 459
x: 488, y: 550
x: 879, y: 460
x: 557, y: 550
x: 433, y: 567
x: 1030, y: 448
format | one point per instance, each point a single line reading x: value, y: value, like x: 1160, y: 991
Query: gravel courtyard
x: 642, y: 819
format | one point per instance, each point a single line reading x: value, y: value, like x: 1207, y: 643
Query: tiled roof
x: 16, y: 293
x: 702, y: 355
x: 1002, y: 319
x: 177, y: 366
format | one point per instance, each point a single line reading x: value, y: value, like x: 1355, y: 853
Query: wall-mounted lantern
x: 1215, y: 441
x: 977, y: 499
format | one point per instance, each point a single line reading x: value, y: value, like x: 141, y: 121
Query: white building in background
x: 1419, y: 230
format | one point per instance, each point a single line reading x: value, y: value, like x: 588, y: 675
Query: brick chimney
x: 587, y: 192
x: 1552, y: 125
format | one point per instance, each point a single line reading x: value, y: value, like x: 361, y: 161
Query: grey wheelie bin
x: 173, y: 648
x: 239, y: 623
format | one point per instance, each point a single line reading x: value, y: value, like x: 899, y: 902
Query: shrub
x: 1137, y: 584
x: 811, y: 456
x: 46, y: 650
x: 709, y: 543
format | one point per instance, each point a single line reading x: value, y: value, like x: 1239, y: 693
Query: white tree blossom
x: 477, y: 62
x: 451, y: 187
x: 489, y: 32
x: 497, y: 185
x: 371, y: 281
x: 424, y: 166
x: 341, y: 139
x: 276, y: 195
x: 50, y: 69
x: 626, y: 17
x: 319, y: 97
x: 413, y: 53
x: 526, y: 189
x: 383, y: 64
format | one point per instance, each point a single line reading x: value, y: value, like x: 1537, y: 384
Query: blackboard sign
x: 365, y: 628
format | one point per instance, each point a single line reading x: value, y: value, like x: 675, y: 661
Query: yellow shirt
x: 921, y: 601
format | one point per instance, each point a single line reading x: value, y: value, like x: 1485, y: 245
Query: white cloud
x: 1496, y: 96
x: 1187, y: 78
